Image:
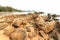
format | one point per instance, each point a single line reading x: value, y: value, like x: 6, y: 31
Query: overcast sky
x: 52, y: 6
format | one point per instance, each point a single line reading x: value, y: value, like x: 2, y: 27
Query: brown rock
x: 18, y: 35
x: 48, y: 26
x: 45, y: 36
x: 8, y: 30
x: 3, y: 25
x: 19, y: 23
x: 31, y: 32
x: 40, y: 38
x: 35, y: 38
x: 28, y: 27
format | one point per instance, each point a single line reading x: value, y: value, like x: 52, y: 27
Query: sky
x: 50, y: 6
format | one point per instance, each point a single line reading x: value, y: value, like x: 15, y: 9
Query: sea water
x: 9, y: 13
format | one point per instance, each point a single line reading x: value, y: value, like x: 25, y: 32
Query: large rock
x: 48, y: 26
x: 18, y: 35
x: 55, y: 34
x: 3, y: 25
x: 8, y: 30
x: 19, y: 23
x: 29, y: 27
x: 45, y: 36
x: 31, y: 32
x: 7, y: 19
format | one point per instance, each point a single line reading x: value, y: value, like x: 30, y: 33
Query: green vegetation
x: 8, y: 9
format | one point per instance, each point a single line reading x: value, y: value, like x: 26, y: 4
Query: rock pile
x: 30, y: 27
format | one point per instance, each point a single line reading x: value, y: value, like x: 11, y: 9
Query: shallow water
x: 9, y: 13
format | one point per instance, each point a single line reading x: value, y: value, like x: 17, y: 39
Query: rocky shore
x: 31, y: 26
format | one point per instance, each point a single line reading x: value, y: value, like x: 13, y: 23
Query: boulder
x: 18, y: 35
x: 8, y: 30
x: 49, y: 26
x: 3, y: 25
x: 45, y: 36
x: 19, y: 23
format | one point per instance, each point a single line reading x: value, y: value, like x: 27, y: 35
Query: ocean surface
x: 9, y: 13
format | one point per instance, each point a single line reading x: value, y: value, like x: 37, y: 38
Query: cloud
x: 38, y: 5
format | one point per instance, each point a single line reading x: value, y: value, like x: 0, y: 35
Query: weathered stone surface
x: 51, y: 39
x: 29, y: 27
x: 45, y: 36
x: 3, y: 25
x: 48, y: 26
x: 8, y: 30
x: 54, y: 35
x: 18, y: 35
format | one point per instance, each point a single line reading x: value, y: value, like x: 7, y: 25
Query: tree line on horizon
x: 8, y: 9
